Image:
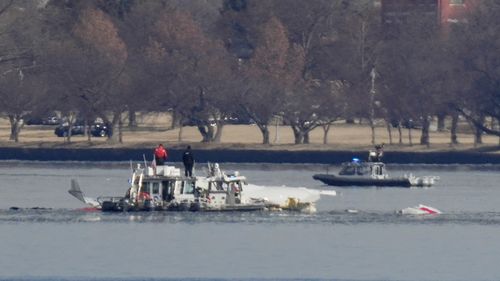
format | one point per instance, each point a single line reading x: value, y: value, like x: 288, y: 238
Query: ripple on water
x: 331, y: 217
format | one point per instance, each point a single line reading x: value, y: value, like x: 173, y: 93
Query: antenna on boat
x: 131, y: 166
x: 145, y: 162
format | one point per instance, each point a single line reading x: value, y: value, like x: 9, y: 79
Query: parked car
x: 33, y: 120
x: 238, y: 120
x: 63, y: 130
x: 408, y: 123
x: 99, y: 130
x: 192, y: 122
x: 96, y: 130
x: 37, y: 119
x: 51, y: 120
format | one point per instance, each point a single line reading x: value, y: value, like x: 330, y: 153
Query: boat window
x: 348, y: 170
x: 381, y: 170
x: 219, y: 186
x: 156, y: 188
x: 187, y: 187
x: 168, y: 190
x: 361, y: 170
x: 145, y: 187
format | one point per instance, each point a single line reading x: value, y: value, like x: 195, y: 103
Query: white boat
x: 163, y: 188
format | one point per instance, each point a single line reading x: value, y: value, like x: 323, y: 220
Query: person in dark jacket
x: 188, y: 160
x: 160, y: 155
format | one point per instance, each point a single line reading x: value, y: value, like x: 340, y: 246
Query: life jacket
x: 160, y: 153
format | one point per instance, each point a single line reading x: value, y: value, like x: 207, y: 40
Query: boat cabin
x: 366, y: 169
x: 166, y: 188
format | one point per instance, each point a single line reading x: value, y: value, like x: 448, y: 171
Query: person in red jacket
x: 160, y: 155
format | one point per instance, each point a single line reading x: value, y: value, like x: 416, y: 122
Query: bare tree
x: 20, y: 87
x: 410, y: 65
x: 89, y: 63
x: 479, y: 54
x: 194, y: 66
x: 267, y: 76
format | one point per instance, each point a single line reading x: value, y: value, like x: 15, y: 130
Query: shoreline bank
x: 246, y: 156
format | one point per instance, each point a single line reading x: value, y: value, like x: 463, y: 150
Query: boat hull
x: 125, y: 206
x: 334, y: 180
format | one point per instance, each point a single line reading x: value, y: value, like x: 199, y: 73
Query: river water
x: 50, y: 236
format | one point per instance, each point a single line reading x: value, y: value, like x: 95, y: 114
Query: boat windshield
x: 353, y: 168
x: 223, y: 186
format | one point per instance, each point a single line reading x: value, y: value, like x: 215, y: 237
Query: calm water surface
x: 58, y: 240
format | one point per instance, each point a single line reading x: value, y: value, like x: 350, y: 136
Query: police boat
x: 372, y: 173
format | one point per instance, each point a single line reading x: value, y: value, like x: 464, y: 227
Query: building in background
x: 434, y: 12
x: 454, y: 12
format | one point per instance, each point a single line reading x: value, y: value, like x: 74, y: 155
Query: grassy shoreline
x: 342, y: 137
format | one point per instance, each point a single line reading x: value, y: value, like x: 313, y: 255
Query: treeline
x: 308, y: 63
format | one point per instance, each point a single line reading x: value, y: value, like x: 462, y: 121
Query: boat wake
x: 336, y: 217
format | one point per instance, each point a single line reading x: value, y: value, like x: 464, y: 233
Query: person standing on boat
x: 188, y: 160
x: 379, y: 149
x: 160, y: 155
x: 376, y: 156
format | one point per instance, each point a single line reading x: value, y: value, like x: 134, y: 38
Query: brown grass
x: 153, y: 130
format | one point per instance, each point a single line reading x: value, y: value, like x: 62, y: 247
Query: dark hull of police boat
x: 353, y: 181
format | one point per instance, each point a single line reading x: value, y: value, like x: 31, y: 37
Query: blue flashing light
x: 355, y: 159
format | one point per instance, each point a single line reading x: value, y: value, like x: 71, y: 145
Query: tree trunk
x: 16, y: 124
x: 372, y: 127
x: 120, y: 130
x: 306, y: 138
x: 86, y: 127
x: 207, y: 133
x: 265, y: 133
x: 71, y: 122
x: 297, y: 134
x: 453, y: 129
x: 424, y: 138
x: 478, y: 136
x: 218, y: 133
x: 440, y: 122
x: 400, y: 132
x: 132, y: 119
x: 409, y: 136
x: 179, y: 136
x: 87, y: 131
x: 114, y: 135
x: 389, y: 131
x: 70, y: 131
x: 326, y: 129
x: 498, y: 128
x: 174, y: 120
x: 265, y: 136
x: 211, y: 132
x: 478, y: 133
